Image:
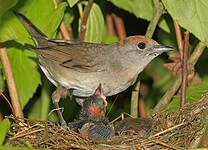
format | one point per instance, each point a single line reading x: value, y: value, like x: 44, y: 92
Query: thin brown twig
x: 142, y: 110
x: 1, y: 117
x: 164, y: 144
x: 109, y: 21
x: 10, y: 82
x: 164, y: 131
x: 184, y: 69
x: 134, y: 101
x: 28, y: 133
x: 119, y: 26
x: 10, y: 105
x: 84, y: 20
x: 179, y: 38
x: 62, y: 25
x: 70, y: 32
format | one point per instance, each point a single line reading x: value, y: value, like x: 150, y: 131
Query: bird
x: 77, y: 68
x: 92, y: 122
x: 134, y: 126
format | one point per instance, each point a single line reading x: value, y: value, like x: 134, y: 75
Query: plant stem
x: 62, y: 25
x: 11, y: 82
x: 119, y: 26
x: 179, y: 38
x: 134, y: 101
x: 158, y: 11
x: 184, y: 69
x: 84, y: 20
x: 109, y: 21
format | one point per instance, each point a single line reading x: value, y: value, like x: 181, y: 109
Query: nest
x: 171, y: 130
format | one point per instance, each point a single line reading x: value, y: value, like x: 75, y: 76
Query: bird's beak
x: 158, y: 49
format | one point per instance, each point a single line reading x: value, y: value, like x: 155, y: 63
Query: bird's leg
x: 56, y: 96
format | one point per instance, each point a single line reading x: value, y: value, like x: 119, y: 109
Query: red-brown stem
x: 179, y: 38
x: 10, y: 105
x: 1, y: 117
x: 70, y: 32
x: 110, y: 25
x: 10, y: 82
x: 119, y: 26
x: 184, y: 69
x: 84, y: 20
x: 142, y: 110
x: 64, y: 31
x: 62, y: 25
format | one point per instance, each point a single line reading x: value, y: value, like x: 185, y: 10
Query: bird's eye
x: 141, y: 45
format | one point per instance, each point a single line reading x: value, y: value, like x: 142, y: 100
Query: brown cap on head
x: 136, y: 40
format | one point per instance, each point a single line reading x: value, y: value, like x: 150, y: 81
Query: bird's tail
x: 39, y: 38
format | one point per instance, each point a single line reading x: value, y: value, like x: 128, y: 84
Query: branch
x: 184, y: 69
x: 134, y: 101
x: 10, y: 82
x: 62, y: 25
x: 179, y: 38
x: 109, y: 21
x: 119, y: 26
x: 84, y: 20
x: 158, y: 11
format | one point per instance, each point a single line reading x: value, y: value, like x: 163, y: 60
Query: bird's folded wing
x: 77, y: 57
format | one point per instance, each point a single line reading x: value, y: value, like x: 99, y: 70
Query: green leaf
x: 72, y: 2
x: 54, y: 20
x: 141, y: 9
x: 95, y: 24
x: 25, y: 73
x: 4, y: 127
x: 193, y: 94
x: 6, y: 5
x: 68, y: 17
x: 19, y: 148
x: 110, y: 40
x: 191, y: 15
x: 41, y: 107
x: 48, y: 21
x: 165, y: 78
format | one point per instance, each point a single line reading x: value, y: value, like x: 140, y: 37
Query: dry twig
x: 84, y: 20
x: 11, y: 82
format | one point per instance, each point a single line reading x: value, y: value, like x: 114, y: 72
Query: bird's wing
x: 82, y: 57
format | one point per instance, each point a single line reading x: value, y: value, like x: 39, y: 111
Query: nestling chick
x: 93, y: 122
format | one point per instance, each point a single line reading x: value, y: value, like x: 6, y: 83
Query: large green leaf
x: 41, y: 107
x: 95, y: 24
x: 193, y: 94
x: 4, y: 127
x: 191, y: 15
x: 25, y: 73
x: 6, y: 5
x: 141, y: 9
x: 43, y: 14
